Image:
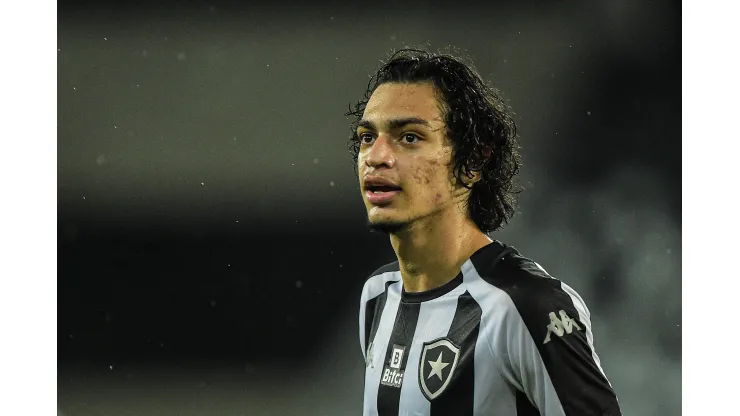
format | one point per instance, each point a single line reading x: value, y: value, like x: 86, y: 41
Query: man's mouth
x: 381, y: 194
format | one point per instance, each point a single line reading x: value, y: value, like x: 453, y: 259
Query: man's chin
x: 387, y: 226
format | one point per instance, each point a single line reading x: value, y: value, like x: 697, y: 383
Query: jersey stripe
x: 458, y: 398
x: 375, y: 371
x: 491, y: 396
x: 378, y: 310
x: 550, y: 384
x: 538, y: 386
x: 524, y: 407
x: 435, y: 318
x: 585, y: 318
x: 372, y: 303
x: 403, y: 335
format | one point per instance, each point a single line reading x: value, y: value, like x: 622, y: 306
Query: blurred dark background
x: 211, y: 236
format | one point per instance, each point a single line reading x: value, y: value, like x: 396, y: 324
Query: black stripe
x: 374, y: 307
x: 457, y: 399
x: 403, y: 334
x: 524, y: 407
x: 369, y: 317
x: 489, y: 257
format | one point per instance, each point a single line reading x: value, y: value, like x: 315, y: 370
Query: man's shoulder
x: 530, y: 287
x: 377, y: 282
x: 386, y: 268
x: 529, y: 300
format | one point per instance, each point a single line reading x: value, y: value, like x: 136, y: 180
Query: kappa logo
x: 437, y: 365
x: 393, y: 373
x: 370, y: 359
x: 560, y: 326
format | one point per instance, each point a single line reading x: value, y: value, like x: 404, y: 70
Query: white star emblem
x: 437, y: 367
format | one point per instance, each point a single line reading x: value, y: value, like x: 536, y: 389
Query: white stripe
x: 380, y: 344
x: 491, y: 395
x: 585, y: 317
x: 435, y: 319
x: 374, y: 286
x: 512, y: 349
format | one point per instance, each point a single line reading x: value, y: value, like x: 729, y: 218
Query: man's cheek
x: 421, y: 176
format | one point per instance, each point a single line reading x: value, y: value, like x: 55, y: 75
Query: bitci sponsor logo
x: 393, y: 372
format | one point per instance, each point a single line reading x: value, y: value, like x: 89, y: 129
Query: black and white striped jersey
x: 501, y: 339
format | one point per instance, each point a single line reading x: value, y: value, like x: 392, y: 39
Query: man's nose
x: 381, y: 152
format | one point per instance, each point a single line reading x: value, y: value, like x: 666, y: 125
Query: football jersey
x: 502, y: 338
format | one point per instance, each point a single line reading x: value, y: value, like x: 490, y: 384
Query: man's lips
x: 381, y: 197
x: 380, y: 190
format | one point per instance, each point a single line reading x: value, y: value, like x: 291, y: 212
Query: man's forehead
x: 397, y: 100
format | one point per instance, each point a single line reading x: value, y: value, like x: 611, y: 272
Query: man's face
x: 404, y: 156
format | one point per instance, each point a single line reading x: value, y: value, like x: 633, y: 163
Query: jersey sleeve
x: 367, y: 312
x: 373, y: 297
x: 548, y: 352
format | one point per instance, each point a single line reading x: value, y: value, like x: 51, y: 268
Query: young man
x: 460, y: 324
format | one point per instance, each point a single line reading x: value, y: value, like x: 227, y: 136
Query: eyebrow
x: 395, y: 123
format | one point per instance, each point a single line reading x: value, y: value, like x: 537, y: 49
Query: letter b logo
x: 397, y: 356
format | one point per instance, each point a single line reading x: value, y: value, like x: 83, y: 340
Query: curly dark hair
x: 478, y: 123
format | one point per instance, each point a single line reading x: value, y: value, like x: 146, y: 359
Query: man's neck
x: 431, y: 252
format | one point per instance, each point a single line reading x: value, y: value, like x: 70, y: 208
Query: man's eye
x: 410, y: 138
x: 366, y: 138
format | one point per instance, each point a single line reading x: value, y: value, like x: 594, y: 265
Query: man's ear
x: 472, y: 177
x: 465, y: 179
